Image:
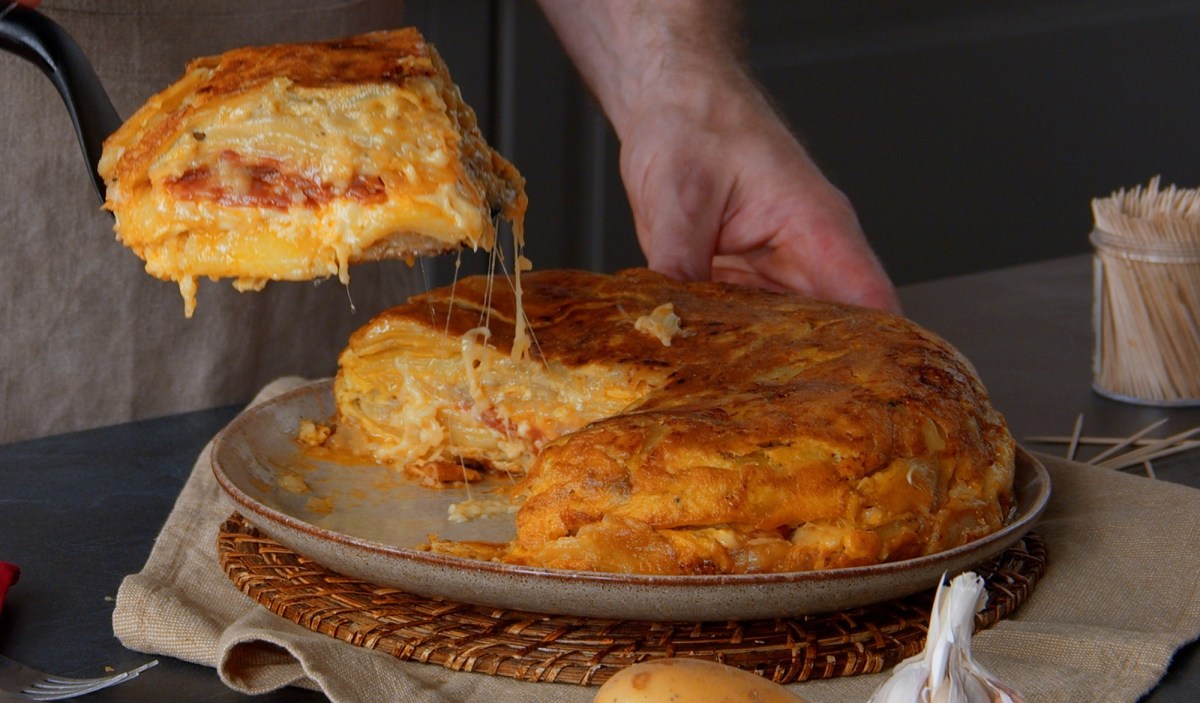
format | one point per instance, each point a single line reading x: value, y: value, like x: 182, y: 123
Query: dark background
x: 968, y: 135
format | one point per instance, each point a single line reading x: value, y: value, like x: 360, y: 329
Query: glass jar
x: 1146, y: 317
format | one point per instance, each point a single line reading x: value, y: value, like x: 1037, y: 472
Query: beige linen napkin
x: 1118, y: 598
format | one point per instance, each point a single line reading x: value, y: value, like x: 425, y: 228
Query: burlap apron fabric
x: 1118, y: 598
x: 86, y: 337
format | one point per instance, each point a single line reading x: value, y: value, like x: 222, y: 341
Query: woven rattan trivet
x: 587, y: 651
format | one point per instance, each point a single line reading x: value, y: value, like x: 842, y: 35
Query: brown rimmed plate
x: 363, y: 521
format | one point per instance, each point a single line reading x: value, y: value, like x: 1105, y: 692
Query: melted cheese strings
x: 523, y: 336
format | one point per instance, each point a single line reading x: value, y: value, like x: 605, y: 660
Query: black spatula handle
x: 38, y: 39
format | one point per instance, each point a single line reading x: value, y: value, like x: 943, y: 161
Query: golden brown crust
x: 290, y: 162
x: 774, y: 433
x: 379, y: 58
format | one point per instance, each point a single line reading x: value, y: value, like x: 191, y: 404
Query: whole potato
x: 690, y: 681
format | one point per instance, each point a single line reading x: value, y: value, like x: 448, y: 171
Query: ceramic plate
x: 362, y: 521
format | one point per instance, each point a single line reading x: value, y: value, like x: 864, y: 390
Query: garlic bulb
x: 944, y: 672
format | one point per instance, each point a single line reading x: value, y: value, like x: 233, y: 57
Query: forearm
x: 718, y: 185
x: 639, y: 54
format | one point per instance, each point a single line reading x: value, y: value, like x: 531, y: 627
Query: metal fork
x: 22, y: 683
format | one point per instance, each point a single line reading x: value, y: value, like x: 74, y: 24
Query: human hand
x: 721, y: 189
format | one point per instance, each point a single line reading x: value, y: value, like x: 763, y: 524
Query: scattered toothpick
x: 1132, y: 438
x: 1124, y: 453
x: 1074, y: 445
x: 1167, y: 447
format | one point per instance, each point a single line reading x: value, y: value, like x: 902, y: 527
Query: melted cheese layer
x: 400, y: 136
x: 285, y: 175
x: 409, y: 395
